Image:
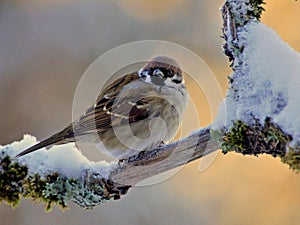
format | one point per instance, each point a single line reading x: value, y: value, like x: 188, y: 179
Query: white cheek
x: 145, y: 75
x: 140, y: 72
x: 170, y: 83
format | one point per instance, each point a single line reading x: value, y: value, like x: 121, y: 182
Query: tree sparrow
x: 134, y: 113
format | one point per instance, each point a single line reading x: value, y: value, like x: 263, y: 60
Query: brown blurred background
x: 45, y: 48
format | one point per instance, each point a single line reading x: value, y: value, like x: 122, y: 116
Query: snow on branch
x: 259, y: 115
x: 48, y: 177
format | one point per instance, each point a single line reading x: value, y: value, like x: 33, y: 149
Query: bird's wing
x: 98, y: 117
x: 113, y: 107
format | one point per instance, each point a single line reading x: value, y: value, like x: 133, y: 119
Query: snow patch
x: 63, y: 159
x: 266, y: 84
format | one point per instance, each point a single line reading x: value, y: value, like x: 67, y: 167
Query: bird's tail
x: 59, y: 138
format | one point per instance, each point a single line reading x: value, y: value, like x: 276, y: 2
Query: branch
x: 41, y: 176
x: 164, y: 158
x: 259, y: 115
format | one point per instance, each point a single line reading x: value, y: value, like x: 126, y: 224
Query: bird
x: 133, y: 114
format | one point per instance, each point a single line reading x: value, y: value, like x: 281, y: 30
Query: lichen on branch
x: 260, y: 112
x: 42, y: 178
x: 259, y: 115
x: 52, y: 189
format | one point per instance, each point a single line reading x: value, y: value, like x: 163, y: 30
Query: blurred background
x: 45, y: 47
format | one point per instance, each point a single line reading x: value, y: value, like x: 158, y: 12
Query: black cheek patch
x: 177, y: 81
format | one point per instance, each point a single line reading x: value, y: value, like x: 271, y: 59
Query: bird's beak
x: 158, y: 73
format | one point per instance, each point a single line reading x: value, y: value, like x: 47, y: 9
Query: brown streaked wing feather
x: 98, y: 113
x: 129, y: 109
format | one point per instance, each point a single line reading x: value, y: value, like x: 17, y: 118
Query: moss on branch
x: 257, y: 8
x: 12, y: 176
x: 53, y: 189
x: 292, y: 158
x: 257, y: 139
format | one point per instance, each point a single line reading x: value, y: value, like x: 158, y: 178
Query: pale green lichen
x: 38, y: 189
x: 257, y: 8
x: 53, y: 189
x: 217, y: 135
x: 257, y: 139
x: 254, y: 139
x: 292, y: 158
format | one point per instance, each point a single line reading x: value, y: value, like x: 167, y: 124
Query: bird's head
x: 161, y: 71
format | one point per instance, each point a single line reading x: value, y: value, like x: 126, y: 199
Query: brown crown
x: 165, y: 62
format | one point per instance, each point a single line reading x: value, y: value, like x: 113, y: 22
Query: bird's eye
x: 170, y: 73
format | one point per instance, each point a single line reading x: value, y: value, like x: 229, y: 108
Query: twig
x: 164, y: 158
